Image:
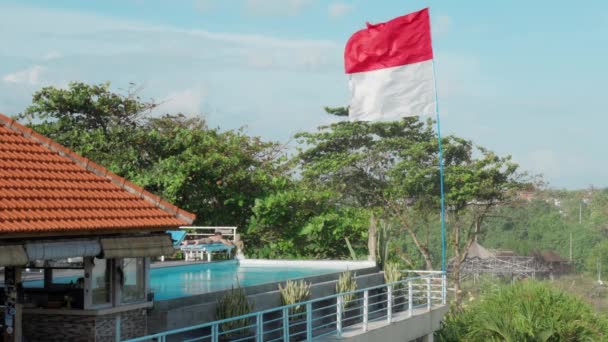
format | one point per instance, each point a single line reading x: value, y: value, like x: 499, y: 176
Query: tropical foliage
x: 233, y: 303
x: 295, y: 291
x: 347, y: 283
x: 524, y: 311
x: 321, y: 201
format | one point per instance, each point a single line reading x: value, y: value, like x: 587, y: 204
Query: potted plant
x: 347, y: 283
x: 295, y: 292
x: 392, y: 274
x: 234, y: 303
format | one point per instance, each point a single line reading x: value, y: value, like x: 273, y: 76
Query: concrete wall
x: 97, y: 328
x: 403, y: 328
x: 188, y: 311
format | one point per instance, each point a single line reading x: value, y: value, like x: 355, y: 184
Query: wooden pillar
x: 13, y: 305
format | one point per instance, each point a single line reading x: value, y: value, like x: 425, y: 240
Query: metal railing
x: 202, y: 231
x: 313, y: 319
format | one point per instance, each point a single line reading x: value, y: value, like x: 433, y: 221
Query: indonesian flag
x: 390, y: 69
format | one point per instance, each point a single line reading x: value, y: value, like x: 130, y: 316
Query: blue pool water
x: 188, y: 280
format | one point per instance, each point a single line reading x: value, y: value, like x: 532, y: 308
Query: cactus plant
x: 233, y: 303
x: 392, y: 274
x: 383, y: 242
x: 347, y: 283
x: 294, y: 292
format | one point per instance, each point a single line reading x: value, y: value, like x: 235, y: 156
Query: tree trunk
x: 456, y: 263
x: 371, y: 239
x: 422, y: 248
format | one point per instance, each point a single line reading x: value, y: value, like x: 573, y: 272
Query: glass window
x: 133, y: 280
x: 100, y: 282
x: 68, y: 277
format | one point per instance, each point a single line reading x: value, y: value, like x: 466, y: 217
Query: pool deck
x: 171, y: 263
x: 346, y: 264
x: 272, y: 262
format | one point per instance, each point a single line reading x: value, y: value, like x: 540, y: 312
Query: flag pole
x: 443, y: 242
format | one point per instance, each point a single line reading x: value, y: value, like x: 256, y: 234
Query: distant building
x: 505, y: 263
x: 553, y: 262
x: 527, y: 195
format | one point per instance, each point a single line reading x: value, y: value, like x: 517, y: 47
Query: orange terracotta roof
x: 45, y: 187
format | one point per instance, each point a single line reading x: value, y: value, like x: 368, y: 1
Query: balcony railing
x: 316, y: 318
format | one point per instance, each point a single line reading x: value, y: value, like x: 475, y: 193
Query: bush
x: 392, y: 274
x: 294, y: 292
x: 232, y: 304
x: 347, y: 283
x: 525, y: 311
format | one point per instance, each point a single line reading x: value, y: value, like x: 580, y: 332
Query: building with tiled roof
x: 63, y: 214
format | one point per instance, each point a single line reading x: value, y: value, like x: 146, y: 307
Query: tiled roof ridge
x: 96, y: 169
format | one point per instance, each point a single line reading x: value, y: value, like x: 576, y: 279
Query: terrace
x: 408, y: 309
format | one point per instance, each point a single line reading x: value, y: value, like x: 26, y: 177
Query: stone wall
x: 100, y: 328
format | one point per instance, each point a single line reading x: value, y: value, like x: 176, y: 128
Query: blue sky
x: 526, y: 78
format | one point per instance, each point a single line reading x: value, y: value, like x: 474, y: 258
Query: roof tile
x: 45, y: 187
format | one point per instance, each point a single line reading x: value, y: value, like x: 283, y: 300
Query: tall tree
x: 393, y: 167
x: 215, y: 174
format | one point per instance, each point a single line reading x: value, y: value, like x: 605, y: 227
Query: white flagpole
x: 443, y: 238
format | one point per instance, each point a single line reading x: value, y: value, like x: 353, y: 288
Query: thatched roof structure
x: 551, y: 256
x: 478, y: 251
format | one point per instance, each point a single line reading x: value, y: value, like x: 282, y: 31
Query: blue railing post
x: 214, y: 333
x: 410, y: 298
x: 286, y: 324
x: 309, y: 321
x: 259, y: 321
x: 389, y: 303
x: 365, y: 309
x: 429, y: 297
x: 443, y: 288
x: 339, y: 307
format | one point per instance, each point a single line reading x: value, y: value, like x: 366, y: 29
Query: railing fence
x: 313, y: 319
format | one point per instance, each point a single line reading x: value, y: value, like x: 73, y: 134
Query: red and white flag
x: 390, y: 69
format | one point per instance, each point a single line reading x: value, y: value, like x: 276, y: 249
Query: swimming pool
x: 187, y: 280
x: 169, y: 282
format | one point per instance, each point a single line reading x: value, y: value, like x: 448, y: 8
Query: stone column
x: 12, y: 313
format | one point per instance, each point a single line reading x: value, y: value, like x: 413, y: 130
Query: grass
x: 581, y: 285
x: 525, y: 311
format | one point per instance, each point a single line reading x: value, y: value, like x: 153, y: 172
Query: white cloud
x: 30, y: 76
x: 187, y: 101
x: 276, y: 7
x: 250, y: 78
x: 339, y: 9
x: 50, y: 55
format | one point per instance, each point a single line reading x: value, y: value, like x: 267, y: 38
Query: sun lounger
x: 194, y: 252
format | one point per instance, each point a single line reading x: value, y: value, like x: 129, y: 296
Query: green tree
x: 217, y: 175
x: 88, y: 107
x: 357, y: 161
x: 392, y: 167
x: 298, y: 222
x: 597, y: 260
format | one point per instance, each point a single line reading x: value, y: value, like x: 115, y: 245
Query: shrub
x: 294, y: 292
x: 232, y: 304
x: 525, y: 311
x: 392, y: 274
x: 347, y: 283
